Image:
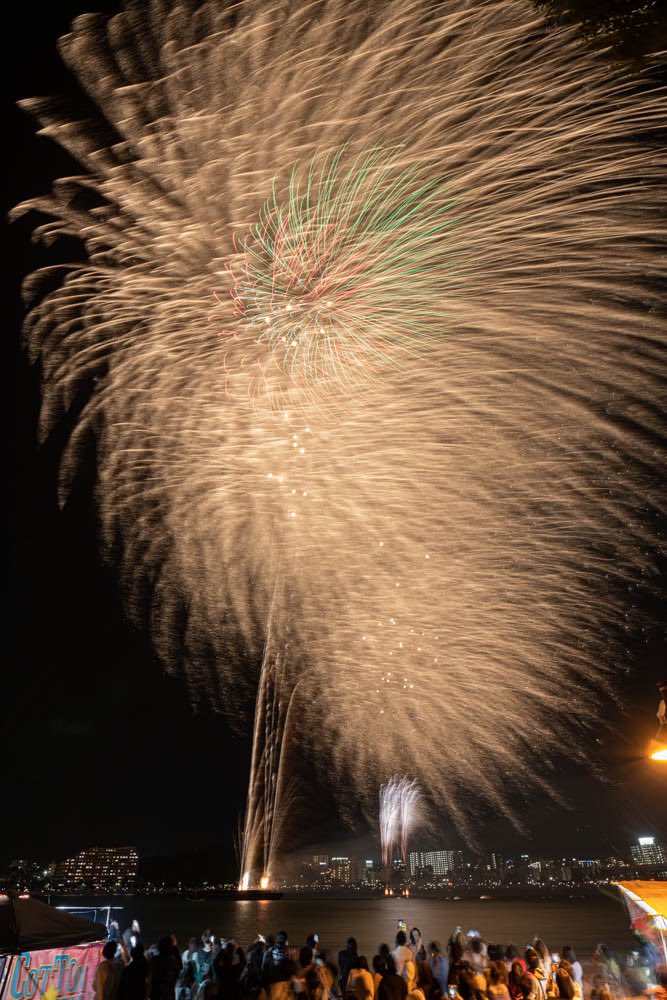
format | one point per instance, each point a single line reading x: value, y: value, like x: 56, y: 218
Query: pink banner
x: 55, y: 974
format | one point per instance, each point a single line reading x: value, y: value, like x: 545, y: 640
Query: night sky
x: 99, y: 745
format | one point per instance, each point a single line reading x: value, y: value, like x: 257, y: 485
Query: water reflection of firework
x: 459, y: 528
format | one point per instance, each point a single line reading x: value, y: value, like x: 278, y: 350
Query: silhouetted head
x: 497, y: 973
x: 165, y: 946
x: 362, y: 963
x: 526, y: 983
x: 305, y: 956
x: 401, y: 939
x: 351, y: 945
x: 541, y: 948
x: 109, y: 950
x: 568, y: 953
x: 379, y: 964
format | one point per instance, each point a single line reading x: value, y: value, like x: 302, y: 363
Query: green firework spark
x: 353, y: 269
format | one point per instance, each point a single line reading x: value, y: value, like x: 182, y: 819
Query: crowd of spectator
x: 467, y: 968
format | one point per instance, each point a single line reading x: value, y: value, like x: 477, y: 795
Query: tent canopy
x: 27, y: 924
x: 654, y: 894
x: 646, y: 903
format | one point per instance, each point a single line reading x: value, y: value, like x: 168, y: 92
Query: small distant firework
x: 402, y: 811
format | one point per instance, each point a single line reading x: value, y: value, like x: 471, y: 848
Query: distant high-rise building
x: 104, y: 868
x: 370, y: 875
x: 340, y: 870
x: 649, y: 854
x: 440, y: 862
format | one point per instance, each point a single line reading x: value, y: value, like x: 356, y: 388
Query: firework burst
x: 461, y: 537
x: 341, y: 280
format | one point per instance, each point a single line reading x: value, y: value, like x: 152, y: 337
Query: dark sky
x: 99, y: 745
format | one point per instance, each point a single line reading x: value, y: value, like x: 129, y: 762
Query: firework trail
x: 412, y: 813
x: 401, y: 813
x: 390, y: 820
x: 369, y: 321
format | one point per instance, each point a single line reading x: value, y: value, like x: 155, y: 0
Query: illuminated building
x: 103, y: 868
x: 647, y: 853
x: 440, y: 862
x: 340, y: 870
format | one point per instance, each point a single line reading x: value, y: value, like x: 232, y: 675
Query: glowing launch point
x: 264, y: 882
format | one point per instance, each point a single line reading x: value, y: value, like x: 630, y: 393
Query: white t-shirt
x: 401, y: 954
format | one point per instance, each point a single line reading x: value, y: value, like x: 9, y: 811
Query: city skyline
x: 120, y: 870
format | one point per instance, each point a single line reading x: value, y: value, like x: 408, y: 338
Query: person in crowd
x: 281, y: 986
x: 401, y: 953
x: 205, y: 956
x: 478, y: 956
x: 416, y: 945
x: 577, y: 973
x: 466, y: 985
x: 113, y: 931
x: 313, y: 942
x: 534, y: 969
x: 511, y: 955
x: 228, y: 973
x: 134, y: 980
x: 379, y: 969
x: 306, y: 963
x: 347, y: 960
x: 108, y: 973
x: 514, y: 980
x: 252, y: 982
x: 393, y: 986
x: 314, y: 987
x: 425, y: 980
x: 190, y: 962
x: 132, y: 935
x: 328, y: 973
x: 415, y: 991
x: 164, y: 970
x: 564, y: 981
x: 606, y: 964
x: 457, y: 963
x: 360, y: 985
x: 659, y: 991
x: 274, y: 957
x: 497, y: 988
x: 544, y: 956
x: 439, y: 966
x: 528, y: 987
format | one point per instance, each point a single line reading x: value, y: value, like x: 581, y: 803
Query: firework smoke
x: 401, y: 813
x: 443, y: 456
